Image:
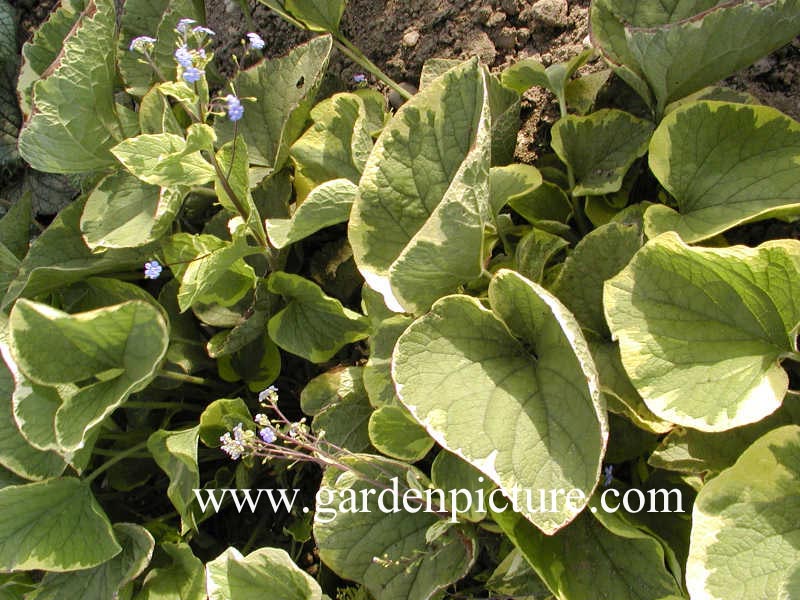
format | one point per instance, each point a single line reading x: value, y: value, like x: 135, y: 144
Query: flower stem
x: 184, y: 377
x: 112, y: 461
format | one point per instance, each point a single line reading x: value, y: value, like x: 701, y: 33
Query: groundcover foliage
x: 268, y: 284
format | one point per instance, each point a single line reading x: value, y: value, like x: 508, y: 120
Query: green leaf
x: 175, y: 452
x: 452, y: 474
x: 184, y: 579
x: 406, y: 566
x: 340, y: 406
x: 529, y: 72
x: 16, y: 453
x: 745, y: 523
x: 59, y: 257
x: 377, y: 372
x: 156, y: 114
x: 417, y: 224
x: 535, y: 251
x: 394, y: 432
x: 581, y: 93
x: 698, y: 452
x: 122, y: 212
x: 210, y: 270
x: 74, y: 122
x: 15, y: 227
x: 285, y: 89
x: 312, y: 325
x: 513, y: 391
x: 110, y: 352
x: 46, y: 44
x: 698, y: 156
x: 681, y: 47
x: 433, y: 68
x: 511, y: 183
x: 317, y: 16
x: 599, y: 256
x: 594, y: 558
x: 264, y: 573
x: 600, y: 148
x: 721, y: 320
x: 105, y: 580
x: 220, y: 417
x: 335, y: 146
x: 326, y: 205
x: 163, y: 159
x: 548, y: 202
x: 54, y: 525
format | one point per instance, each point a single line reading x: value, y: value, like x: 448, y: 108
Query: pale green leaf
x: 59, y: 257
x: 326, y: 205
x: 210, y: 270
x: 42, y: 49
x: 175, y: 452
x: 264, y: 573
x: 156, y: 114
x: 725, y: 164
x: 691, y: 451
x: 220, y: 417
x: 123, y: 212
x: 103, y: 581
x: 377, y: 372
x: 163, y: 159
x: 745, y: 530
x: 599, y: 256
x: 117, y: 349
x: 510, y: 183
x: 417, y: 224
x: 513, y: 391
x: 184, y: 579
x: 16, y: 453
x: 15, y: 227
x: 535, y: 251
x: 285, y: 89
x: 335, y: 146
x: 312, y: 325
x: 600, y: 148
x: 54, y: 525
x: 74, y: 122
x: 594, y: 559
x: 702, y: 331
x: 387, y: 551
x: 459, y: 478
x: 681, y: 47
x: 396, y: 434
x: 317, y: 16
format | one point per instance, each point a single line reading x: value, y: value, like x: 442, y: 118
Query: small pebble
x: 411, y: 38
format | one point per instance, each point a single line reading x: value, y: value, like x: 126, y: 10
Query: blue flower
x: 200, y: 29
x: 183, y: 25
x: 268, y: 395
x: 234, y: 107
x: 152, y: 269
x: 359, y: 78
x: 192, y: 75
x: 142, y: 44
x: 255, y: 41
x: 268, y: 435
x: 184, y: 57
x: 608, y: 475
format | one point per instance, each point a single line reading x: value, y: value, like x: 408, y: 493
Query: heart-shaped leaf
x: 513, y: 391
x: 702, y: 331
x: 725, y: 164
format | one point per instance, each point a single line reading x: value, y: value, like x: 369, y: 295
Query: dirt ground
x: 400, y: 35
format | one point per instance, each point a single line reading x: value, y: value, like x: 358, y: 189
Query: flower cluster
x: 143, y: 44
x: 255, y: 40
x: 234, y: 108
x: 280, y: 438
x: 152, y: 269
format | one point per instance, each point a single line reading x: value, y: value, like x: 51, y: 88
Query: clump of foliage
x: 264, y: 286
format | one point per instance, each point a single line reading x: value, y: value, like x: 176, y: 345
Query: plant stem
x: 577, y: 210
x: 350, y: 51
x: 184, y: 377
x: 178, y: 405
x: 248, y: 17
x: 203, y: 191
x: 111, y: 462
